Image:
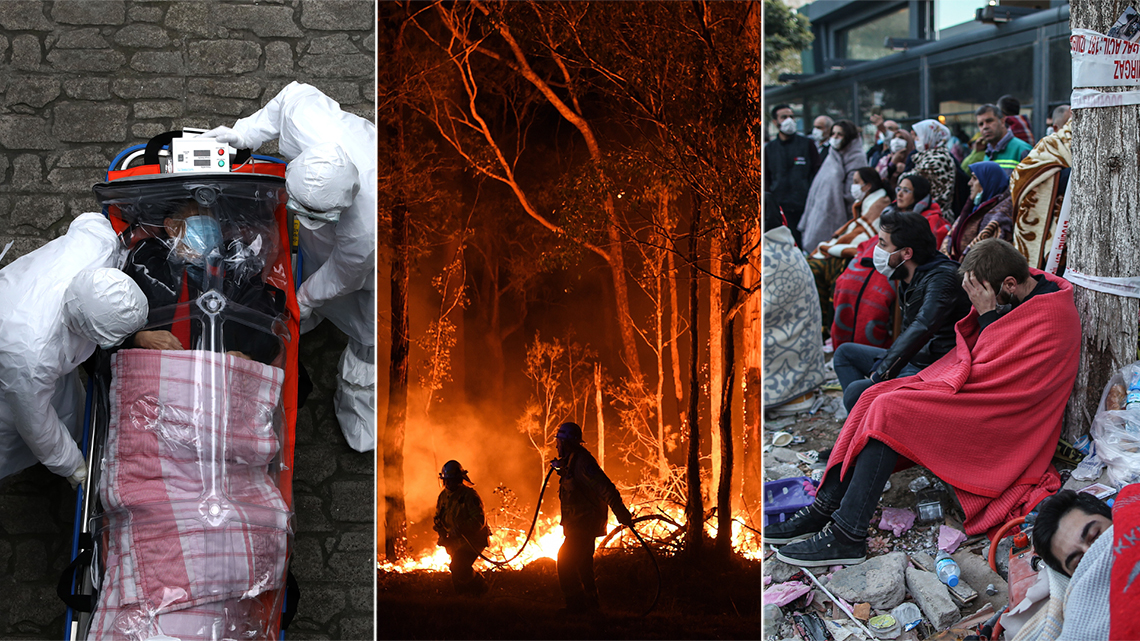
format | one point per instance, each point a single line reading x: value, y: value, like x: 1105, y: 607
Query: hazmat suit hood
x: 104, y: 306
x: 323, y: 178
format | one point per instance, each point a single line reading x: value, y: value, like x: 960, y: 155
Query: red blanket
x: 862, y: 307
x: 1124, y: 600
x: 985, y: 418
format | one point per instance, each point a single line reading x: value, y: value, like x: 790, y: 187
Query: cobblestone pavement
x: 333, y: 548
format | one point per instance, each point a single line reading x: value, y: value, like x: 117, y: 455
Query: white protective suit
x: 332, y: 165
x: 56, y: 305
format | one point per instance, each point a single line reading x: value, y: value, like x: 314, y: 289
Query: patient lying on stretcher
x: 190, y: 253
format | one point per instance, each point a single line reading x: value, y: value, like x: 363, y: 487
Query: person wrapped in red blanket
x: 985, y: 418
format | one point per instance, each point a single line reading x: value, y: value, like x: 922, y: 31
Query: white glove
x: 78, y: 476
x: 228, y: 136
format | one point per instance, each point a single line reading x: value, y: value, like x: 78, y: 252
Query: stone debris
x: 897, y: 520
x: 878, y: 580
x: 932, y: 597
x: 950, y: 538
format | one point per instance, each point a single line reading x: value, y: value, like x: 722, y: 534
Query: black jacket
x: 791, y: 165
x: 931, y: 304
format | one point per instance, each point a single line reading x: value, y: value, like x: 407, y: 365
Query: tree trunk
x: 675, y: 331
x: 1105, y: 221
x: 694, y: 507
x: 724, y: 484
x: 716, y: 351
x: 601, y: 418
x: 659, y: 395
x: 750, y: 279
x: 395, y: 517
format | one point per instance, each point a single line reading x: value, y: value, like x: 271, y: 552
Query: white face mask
x: 919, y: 146
x: 836, y: 142
x: 882, y: 259
x: 817, y: 134
x: 897, y: 145
x: 788, y: 126
x: 856, y: 191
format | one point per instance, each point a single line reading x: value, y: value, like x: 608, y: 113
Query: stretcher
x: 184, y: 527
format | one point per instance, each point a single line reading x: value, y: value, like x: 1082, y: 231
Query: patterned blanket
x: 195, y: 527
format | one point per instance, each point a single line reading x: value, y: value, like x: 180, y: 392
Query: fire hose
x: 534, y: 521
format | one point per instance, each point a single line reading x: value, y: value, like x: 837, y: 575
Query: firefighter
x: 585, y: 492
x: 462, y: 528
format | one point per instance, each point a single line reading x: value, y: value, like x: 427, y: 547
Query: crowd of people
x: 920, y: 261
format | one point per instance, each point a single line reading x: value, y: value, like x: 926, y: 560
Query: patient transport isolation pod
x: 184, y: 528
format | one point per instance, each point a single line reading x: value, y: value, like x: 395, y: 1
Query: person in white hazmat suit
x: 57, y: 304
x: 331, y: 182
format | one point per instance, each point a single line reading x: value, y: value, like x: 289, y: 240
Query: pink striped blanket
x: 195, y: 527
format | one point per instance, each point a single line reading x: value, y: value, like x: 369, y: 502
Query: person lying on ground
x: 1073, y: 535
x: 930, y: 296
x: 984, y: 418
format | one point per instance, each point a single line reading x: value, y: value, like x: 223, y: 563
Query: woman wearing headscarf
x: 933, y: 160
x: 830, y: 258
x: 829, y: 200
x: 987, y: 214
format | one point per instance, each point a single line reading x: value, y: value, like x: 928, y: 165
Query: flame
x: 547, y: 539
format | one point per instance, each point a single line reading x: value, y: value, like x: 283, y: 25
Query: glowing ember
x: 661, y: 533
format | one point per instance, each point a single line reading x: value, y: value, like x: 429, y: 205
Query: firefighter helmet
x: 453, y: 471
x: 569, y: 432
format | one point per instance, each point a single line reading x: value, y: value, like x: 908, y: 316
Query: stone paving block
x: 32, y: 91
x: 337, y: 43
x: 320, y: 603
x: 279, y: 59
x: 144, y: 14
x: 247, y: 88
x: 353, y: 501
x: 345, y: 93
x: 157, y: 108
x: 23, y: 15
x: 142, y: 36
x: 87, y: 88
x: 28, y: 172
x: 135, y: 88
x: 356, y: 628
x: 5, y: 558
x: 878, y: 581
x: 356, y: 542
x: 25, y: 132
x: 148, y: 130
x: 265, y: 22
x: 26, y: 53
x: 89, y: 38
x: 315, y: 464
x: 75, y: 180
x: 33, y: 603
x: 222, y: 106
x: 310, y: 514
x: 26, y: 514
x: 192, y: 18
x: 78, y: 206
x: 31, y: 560
x: 933, y: 597
x: 358, y: 463
x: 353, y: 568
x: 84, y: 12
x: 3, y: 44
x: 86, y: 60
x: 223, y: 57
x: 336, y: 65
x: 346, y: 15
x: 78, y: 122
x: 164, y: 62
x: 308, y: 560
x: 40, y: 212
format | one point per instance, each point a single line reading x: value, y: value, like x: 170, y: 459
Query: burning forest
x: 569, y: 277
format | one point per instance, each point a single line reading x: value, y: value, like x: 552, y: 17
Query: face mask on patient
x: 200, y: 236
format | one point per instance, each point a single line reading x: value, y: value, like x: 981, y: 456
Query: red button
x: 221, y: 151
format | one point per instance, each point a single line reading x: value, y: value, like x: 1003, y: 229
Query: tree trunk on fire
x: 694, y: 507
x: 716, y: 351
x: 1105, y: 220
x: 750, y: 279
x: 724, y: 427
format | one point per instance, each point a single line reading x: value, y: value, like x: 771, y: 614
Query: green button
x: 221, y: 163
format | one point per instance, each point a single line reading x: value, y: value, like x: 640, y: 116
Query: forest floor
x: 708, y: 602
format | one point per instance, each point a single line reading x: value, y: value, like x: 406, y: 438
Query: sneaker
x: 824, y: 549
x: 802, y: 525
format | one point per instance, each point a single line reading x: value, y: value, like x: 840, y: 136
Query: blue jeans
x: 853, y: 365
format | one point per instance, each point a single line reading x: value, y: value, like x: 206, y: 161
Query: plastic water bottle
x: 947, y: 569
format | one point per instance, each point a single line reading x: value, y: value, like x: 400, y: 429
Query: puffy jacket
x: 931, y: 304
x: 459, y: 519
x: 585, y: 492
